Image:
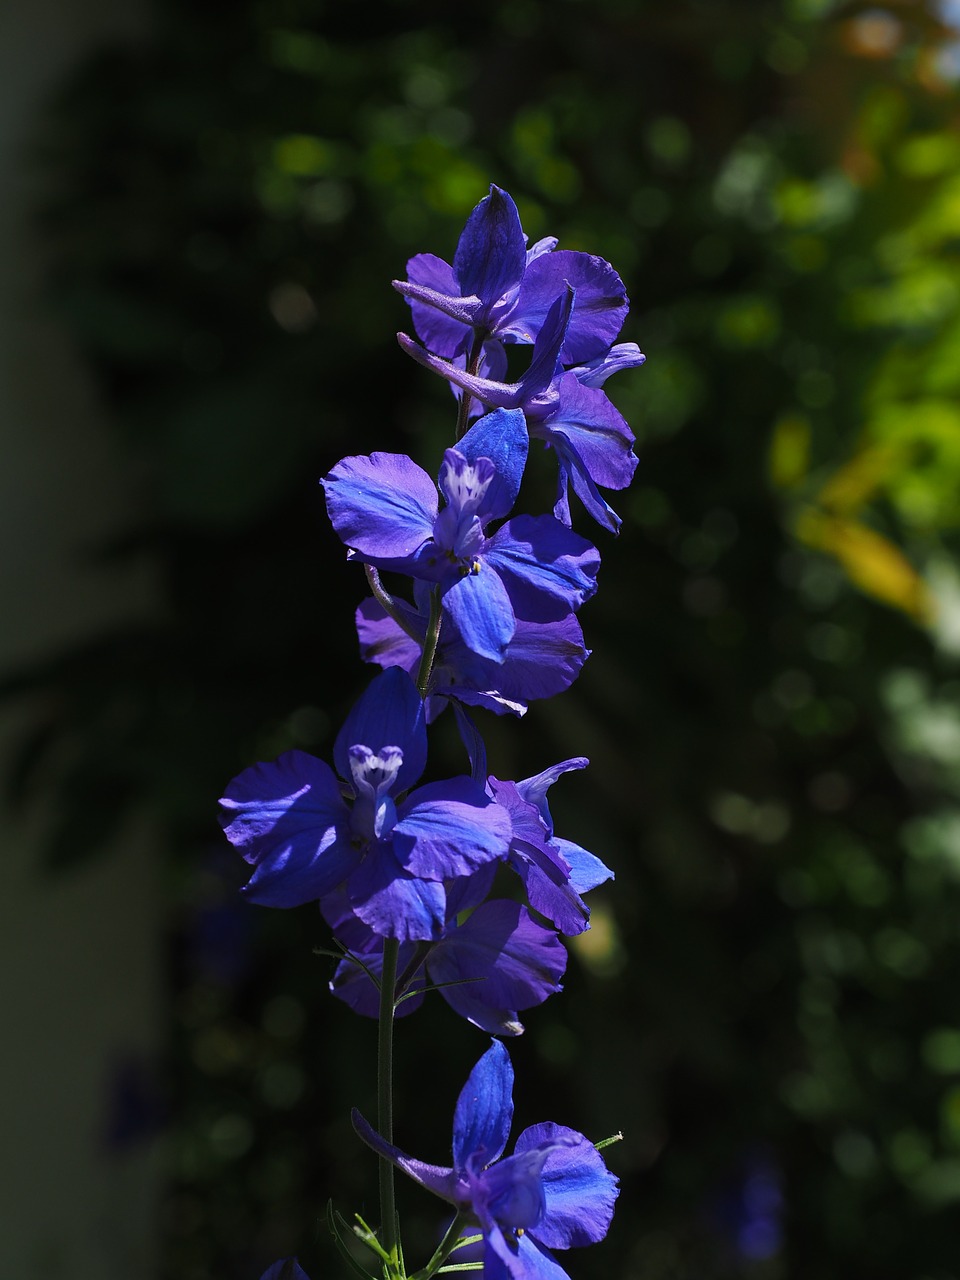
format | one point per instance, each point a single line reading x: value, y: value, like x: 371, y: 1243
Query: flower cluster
x: 460, y: 884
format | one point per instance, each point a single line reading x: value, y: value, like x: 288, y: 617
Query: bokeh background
x: 768, y: 1004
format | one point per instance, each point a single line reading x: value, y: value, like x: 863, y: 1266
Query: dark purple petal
x: 467, y: 892
x: 480, y: 607
x: 285, y: 1269
x: 442, y: 318
x: 388, y: 714
x: 299, y: 871
x: 594, y: 430
x: 442, y: 1182
x: 484, y: 1111
x: 579, y: 1189
x: 492, y: 251
x: 449, y: 829
x: 547, y: 568
x: 502, y: 437
x: 547, y: 348
x: 353, y: 985
x: 561, y: 904
x: 382, y: 505
x: 501, y: 961
x: 382, y: 641
x: 542, y: 659
x: 288, y: 818
x: 600, y: 310
x: 394, y: 903
x: 500, y: 395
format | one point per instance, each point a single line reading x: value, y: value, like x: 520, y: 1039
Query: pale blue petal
x: 579, y: 1189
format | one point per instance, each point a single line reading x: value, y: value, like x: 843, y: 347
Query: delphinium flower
x: 291, y: 820
x: 554, y: 1192
x: 386, y: 509
x: 497, y: 290
x: 492, y: 960
x: 541, y: 658
x: 565, y: 408
x: 556, y: 873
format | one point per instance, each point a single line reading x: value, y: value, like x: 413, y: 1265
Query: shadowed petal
x: 480, y: 608
x: 547, y: 568
x: 442, y: 1182
x: 492, y: 251
x: 395, y: 904
x: 449, y: 829
x: 600, y: 310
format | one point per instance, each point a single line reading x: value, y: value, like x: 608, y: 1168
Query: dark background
x: 767, y: 1005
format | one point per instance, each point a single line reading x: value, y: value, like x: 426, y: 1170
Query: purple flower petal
x: 444, y: 329
x: 388, y: 714
x: 288, y: 818
x: 480, y: 607
x: 394, y: 903
x: 502, y: 437
x: 501, y: 961
x: 521, y: 1259
x: 547, y: 568
x: 484, y: 1111
x: 382, y: 505
x: 600, y: 310
x: 579, y: 1190
x: 442, y: 1182
x: 285, y: 1269
x: 586, y: 869
x: 492, y: 251
x: 449, y: 829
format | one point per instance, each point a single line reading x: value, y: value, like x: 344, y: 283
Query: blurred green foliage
x: 773, y: 708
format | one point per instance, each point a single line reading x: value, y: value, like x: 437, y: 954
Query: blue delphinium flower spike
x: 554, y: 1192
x: 291, y: 820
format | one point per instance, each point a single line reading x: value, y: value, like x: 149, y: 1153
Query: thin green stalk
x: 387, y: 602
x: 472, y: 366
x: 390, y: 1232
x: 430, y: 642
x: 444, y: 1248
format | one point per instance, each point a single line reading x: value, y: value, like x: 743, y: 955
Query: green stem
x: 444, y: 1248
x: 430, y: 642
x: 387, y: 603
x: 472, y: 366
x: 390, y: 1232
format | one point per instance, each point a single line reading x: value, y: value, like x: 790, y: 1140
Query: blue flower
x: 385, y: 508
x: 555, y: 872
x: 306, y: 835
x: 499, y: 290
x: 566, y: 409
x: 554, y: 1192
x: 540, y: 660
x: 487, y: 966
